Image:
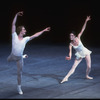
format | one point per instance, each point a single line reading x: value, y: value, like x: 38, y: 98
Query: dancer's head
x: 21, y: 30
x: 72, y: 35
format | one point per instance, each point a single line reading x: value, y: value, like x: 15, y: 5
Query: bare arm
x: 14, y: 21
x: 39, y: 33
x: 84, y: 26
x: 70, y: 53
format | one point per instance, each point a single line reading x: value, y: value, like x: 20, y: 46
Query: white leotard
x: 81, y: 51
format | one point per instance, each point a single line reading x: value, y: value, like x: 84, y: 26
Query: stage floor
x: 43, y: 71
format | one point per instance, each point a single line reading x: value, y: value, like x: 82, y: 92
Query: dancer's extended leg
x: 76, y: 62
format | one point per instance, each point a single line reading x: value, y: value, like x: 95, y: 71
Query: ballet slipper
x: 64, y: 80
x: 19, y: 90
x: 25, y: 56
x: 88, y: 77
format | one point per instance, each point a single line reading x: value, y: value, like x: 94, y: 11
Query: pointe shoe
x: 64, y: 80
x: 88, y: 77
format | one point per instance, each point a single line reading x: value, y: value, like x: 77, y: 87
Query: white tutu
x: 83, y: 53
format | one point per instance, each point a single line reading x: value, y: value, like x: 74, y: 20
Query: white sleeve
x: 27, y: 39
x: 14, y: 34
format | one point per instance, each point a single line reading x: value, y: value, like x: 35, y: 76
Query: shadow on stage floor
x: 43, y: 71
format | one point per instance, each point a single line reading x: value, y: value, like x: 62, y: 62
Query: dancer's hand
x: 68, y: 58
x: 47, y: 29
x: 88, y: 18
x: 20, y: 13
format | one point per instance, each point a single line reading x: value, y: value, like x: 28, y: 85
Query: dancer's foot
x: 88, y: 77
x: 25, y: 56
x: 64, y: 80
x: 19, y: 90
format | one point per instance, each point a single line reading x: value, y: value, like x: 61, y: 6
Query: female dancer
x: 18, y: 45
x: 81, y: 52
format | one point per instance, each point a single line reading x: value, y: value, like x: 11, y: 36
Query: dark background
x: 62, y: 16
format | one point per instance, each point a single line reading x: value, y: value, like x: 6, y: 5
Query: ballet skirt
x: 81, y: 51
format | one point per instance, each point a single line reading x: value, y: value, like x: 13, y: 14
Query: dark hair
x: 73, y: 32
x: 19, y: 29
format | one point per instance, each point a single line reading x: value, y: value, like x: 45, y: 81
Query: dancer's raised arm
x: 84, y: 26
x: 14, y: 21
x: 39, y: 33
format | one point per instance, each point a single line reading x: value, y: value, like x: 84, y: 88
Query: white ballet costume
x: 81, y: 51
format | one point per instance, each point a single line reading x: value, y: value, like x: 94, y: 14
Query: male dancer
x: 18, y: 45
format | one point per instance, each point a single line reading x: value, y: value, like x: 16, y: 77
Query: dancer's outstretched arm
x: 84, y: 26
x: 70, y: 53
x: 39, y: 33
x: 14, y: 21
